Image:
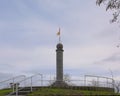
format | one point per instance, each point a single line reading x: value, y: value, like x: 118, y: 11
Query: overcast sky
x: 28, y: 37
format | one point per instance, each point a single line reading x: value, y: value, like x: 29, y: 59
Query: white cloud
x: 28, y: 41
x: 26, y: 59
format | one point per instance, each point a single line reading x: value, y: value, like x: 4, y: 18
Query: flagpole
x: 59, y: 34
x: 59, y: 39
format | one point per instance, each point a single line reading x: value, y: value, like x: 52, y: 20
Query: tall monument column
x: 59, y: 62
x: 59, y: 65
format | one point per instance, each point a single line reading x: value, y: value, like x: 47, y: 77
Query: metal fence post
x: 16, y: 89
x: 31, y: 84
x: 41, y: 80
x: 13, y: 86
x: 85, y: 80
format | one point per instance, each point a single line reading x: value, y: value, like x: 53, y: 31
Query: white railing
x: 39, y: 80
x: 9, y: 82
x: 99, y: 81
x: 27, y: 82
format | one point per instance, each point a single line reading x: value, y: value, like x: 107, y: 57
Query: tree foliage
x: 66, y: 77
x: 117, y: 86
x: 113, y: 5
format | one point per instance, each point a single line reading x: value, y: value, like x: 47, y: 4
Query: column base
x: 59, y: 84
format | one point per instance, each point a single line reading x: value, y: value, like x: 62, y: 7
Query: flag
x: 58, y: 33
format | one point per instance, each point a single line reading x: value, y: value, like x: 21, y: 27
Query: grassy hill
x: 4, y: 92
x: 63, y: 92
x: 68, y: 92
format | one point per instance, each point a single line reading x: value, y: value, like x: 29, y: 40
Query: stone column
x: 59, y: 67
x: 59, y: 62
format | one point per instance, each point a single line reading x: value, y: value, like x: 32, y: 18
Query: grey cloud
x: 36, y: 26
x: 113, y: 58
x: 5, y: 76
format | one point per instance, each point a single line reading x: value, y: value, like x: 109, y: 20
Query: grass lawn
x: 67, y: 92
x: 62, y: 92
x: 4, y: 92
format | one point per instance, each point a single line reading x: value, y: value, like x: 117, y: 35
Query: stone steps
x: 23, y: 91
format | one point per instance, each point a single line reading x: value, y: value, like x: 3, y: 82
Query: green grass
x: 61, y: 92
x: 4, y: 92
x: 66, y: 92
